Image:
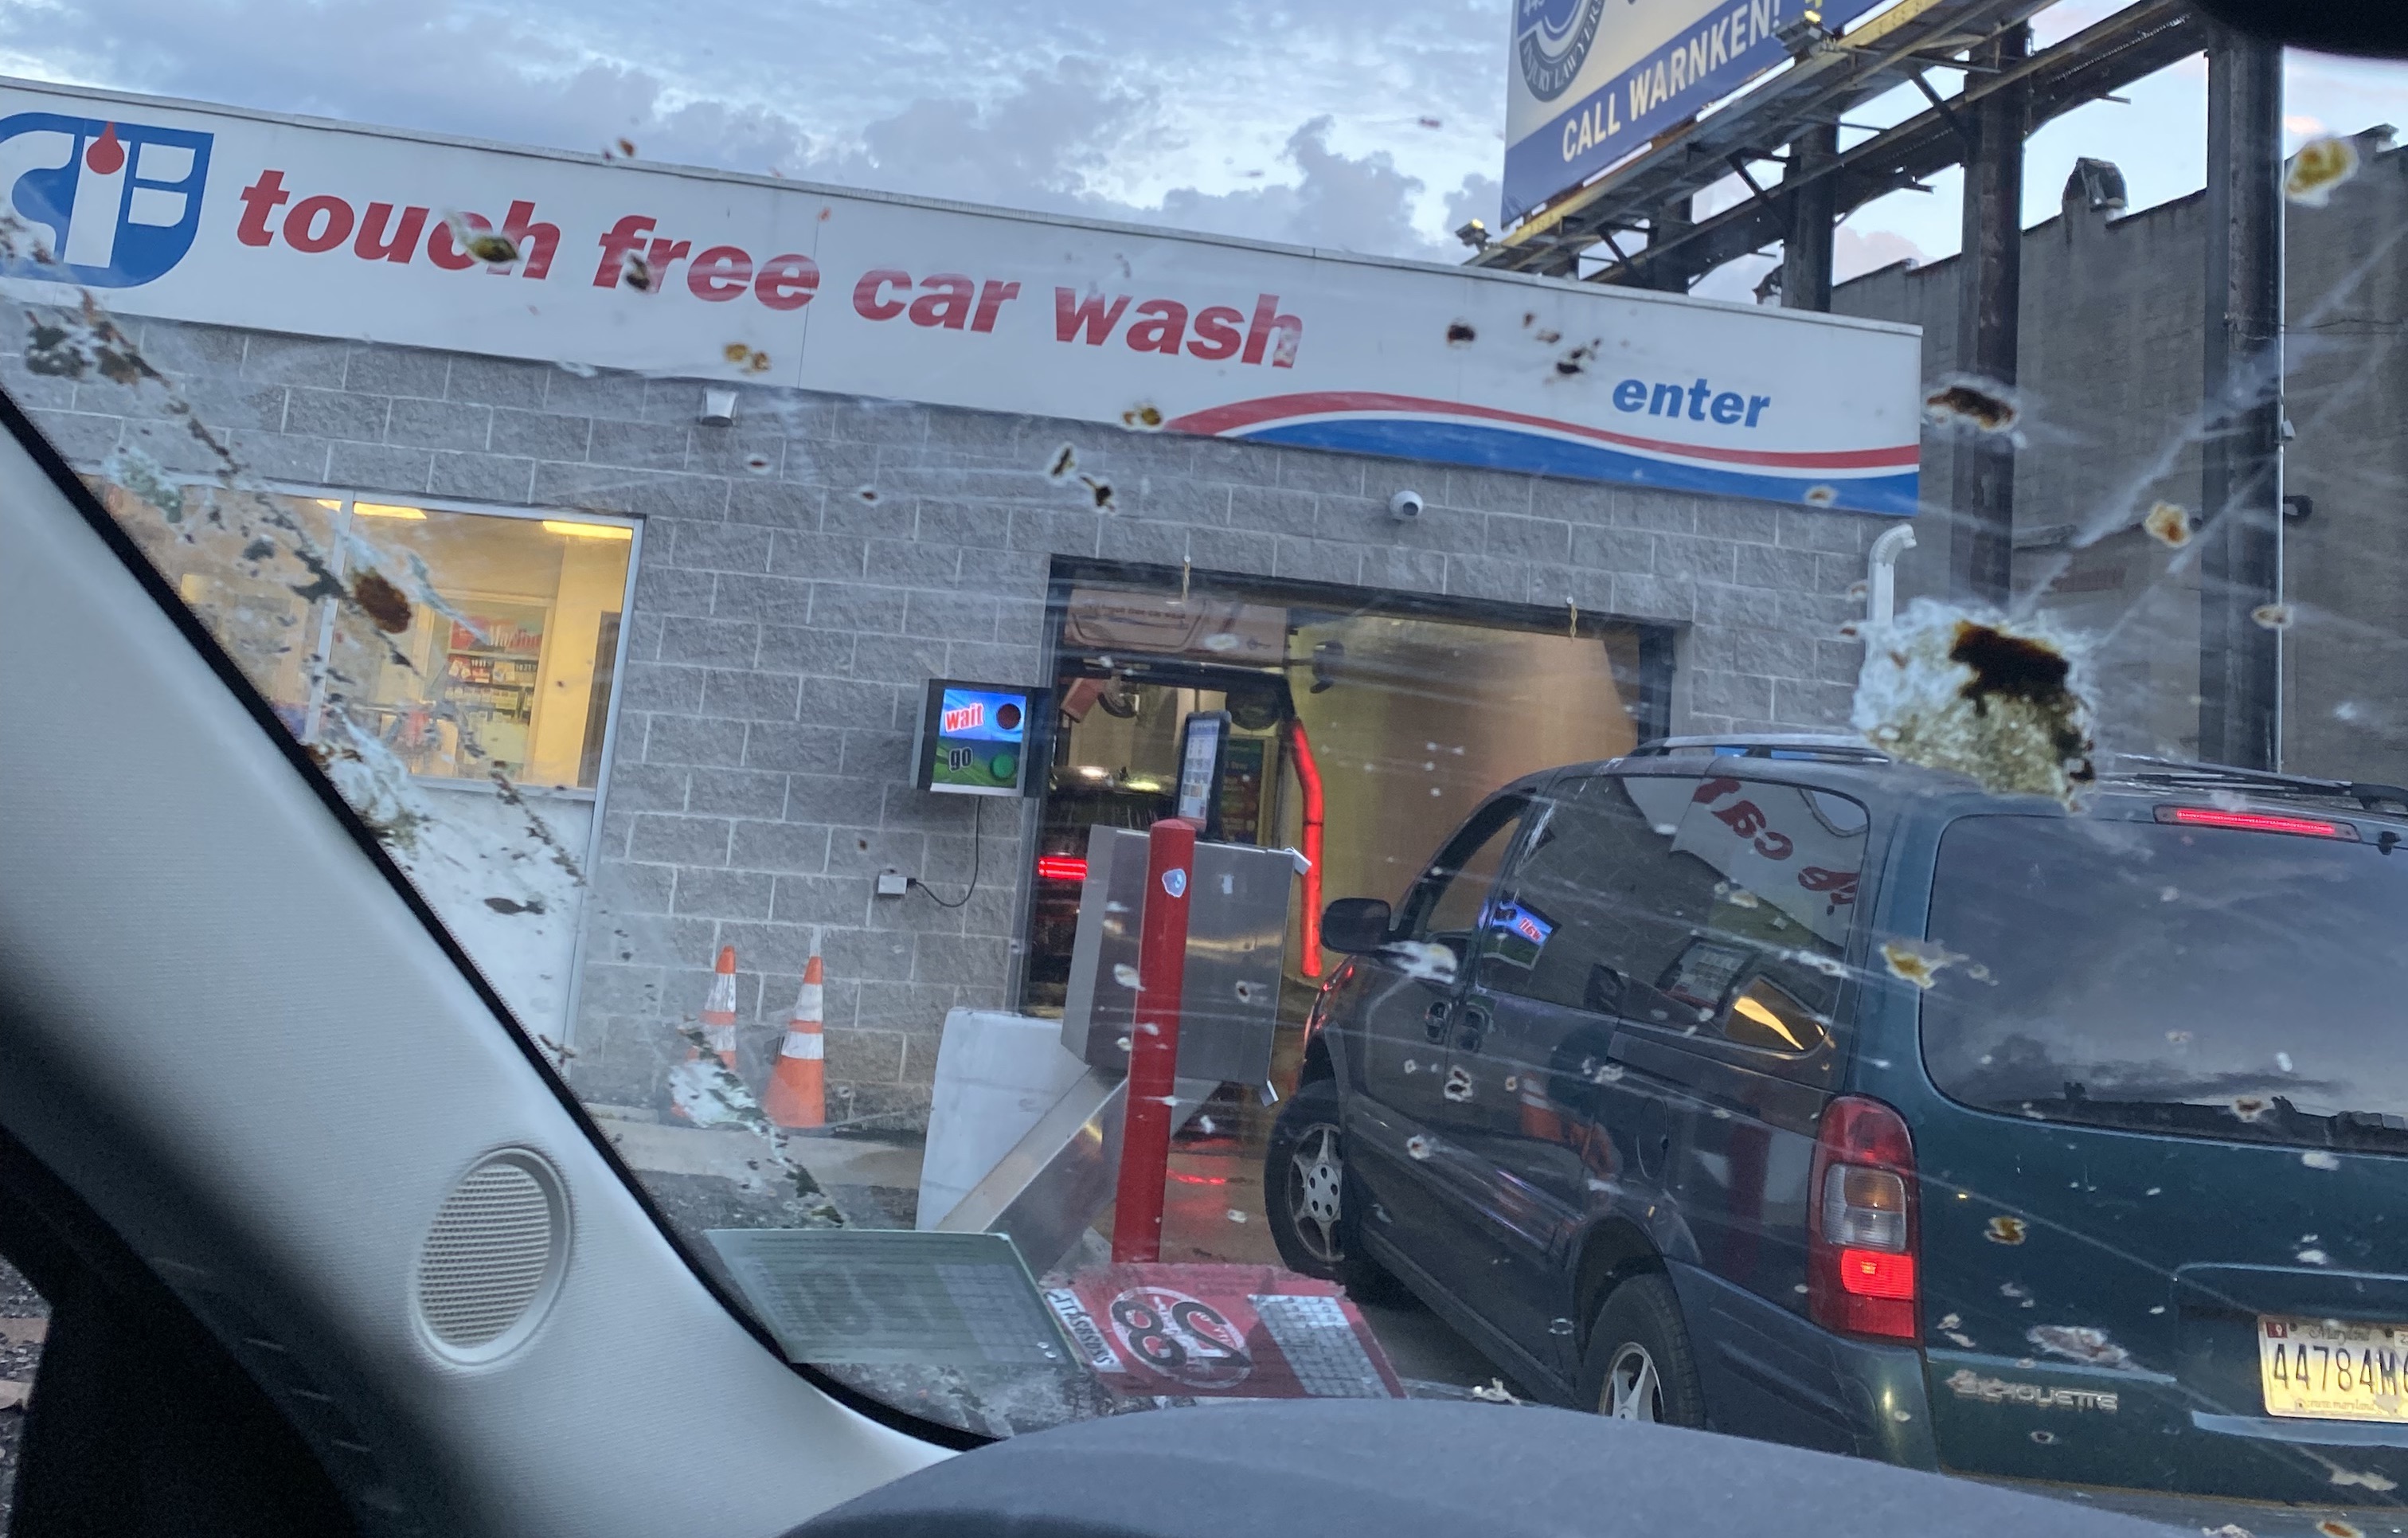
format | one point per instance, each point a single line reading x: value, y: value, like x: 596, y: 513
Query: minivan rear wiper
x: 2271, y: 1120
x: 2377, y: 1130
x: 2374, y: 796
x: 2220, y: 1120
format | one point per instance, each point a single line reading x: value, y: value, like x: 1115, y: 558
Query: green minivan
x: 1771, y: 1086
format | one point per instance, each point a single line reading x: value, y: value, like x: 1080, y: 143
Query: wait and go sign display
x: 273, y: 224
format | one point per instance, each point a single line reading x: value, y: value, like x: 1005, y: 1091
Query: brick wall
x: 802, y: 570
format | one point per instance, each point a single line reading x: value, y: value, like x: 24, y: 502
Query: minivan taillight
x: 1860, y: 1216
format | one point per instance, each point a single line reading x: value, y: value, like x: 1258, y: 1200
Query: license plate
x: 2332, y: 1369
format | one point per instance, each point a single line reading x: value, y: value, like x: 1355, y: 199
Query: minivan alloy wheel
x: 1633, y: 1389
x: 1316, y: 1180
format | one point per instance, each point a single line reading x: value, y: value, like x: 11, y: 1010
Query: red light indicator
x: 1877, y: 1273
x: 1061, y: 868
x: 2255, y: 822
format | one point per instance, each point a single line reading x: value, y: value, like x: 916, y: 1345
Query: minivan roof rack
x: 1823, y: 745
x: 2177, y: 771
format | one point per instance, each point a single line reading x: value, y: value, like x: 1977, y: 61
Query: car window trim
x: 1503, y: 806
x: 1549, y: 793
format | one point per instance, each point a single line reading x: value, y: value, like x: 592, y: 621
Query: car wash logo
x: 1184, y: 1339
x: 110, y: 205
x: 1551, y: 41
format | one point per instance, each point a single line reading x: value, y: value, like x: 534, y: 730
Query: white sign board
x: 247, y: 220
x: 1592, y: 80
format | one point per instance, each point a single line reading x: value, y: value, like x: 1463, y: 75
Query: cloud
x: 1045, y: 142
x: 1151, y: 116
x: 1855, y: 252
x: 440, y: 68
x: 1361, y: 203
x: 1478, y: 197
x: 1735, y: 280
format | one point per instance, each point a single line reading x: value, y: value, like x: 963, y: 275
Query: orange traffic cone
x: 719, y: 1015
x: 797, y: 1094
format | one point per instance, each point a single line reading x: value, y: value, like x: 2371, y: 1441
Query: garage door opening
x: 1363, y: 728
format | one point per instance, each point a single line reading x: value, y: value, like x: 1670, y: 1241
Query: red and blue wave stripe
x: 1876, y: 480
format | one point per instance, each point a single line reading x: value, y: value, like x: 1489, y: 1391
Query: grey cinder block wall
x: 805, y: 569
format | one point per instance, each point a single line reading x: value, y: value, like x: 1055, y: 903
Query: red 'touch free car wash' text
x: 634, y: 254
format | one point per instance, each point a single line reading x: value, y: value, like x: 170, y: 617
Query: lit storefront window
x: 480, y: 642
x: 424, y: 654
x: 505, y: 661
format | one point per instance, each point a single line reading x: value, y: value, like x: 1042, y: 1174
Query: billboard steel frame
x: 1831, y: 77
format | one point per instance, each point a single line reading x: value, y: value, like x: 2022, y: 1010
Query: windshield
x: 1690, y: 710
x: 2133, y: 979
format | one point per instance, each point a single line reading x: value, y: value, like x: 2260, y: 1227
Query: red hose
x: 1307, y: 779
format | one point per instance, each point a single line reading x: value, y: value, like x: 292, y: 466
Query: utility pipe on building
x: 1880, y: 573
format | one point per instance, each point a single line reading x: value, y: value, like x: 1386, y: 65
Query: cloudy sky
x: 1371, y: 124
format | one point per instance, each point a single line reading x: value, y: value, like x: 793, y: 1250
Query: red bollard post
x: 1154, y: 1042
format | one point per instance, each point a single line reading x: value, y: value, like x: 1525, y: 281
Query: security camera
x: 1803, y: 35
x: 1405, y: 506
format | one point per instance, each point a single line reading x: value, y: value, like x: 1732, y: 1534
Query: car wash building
x: 712, y: 485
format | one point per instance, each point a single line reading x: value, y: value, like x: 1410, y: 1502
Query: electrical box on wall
x: 979, y: 738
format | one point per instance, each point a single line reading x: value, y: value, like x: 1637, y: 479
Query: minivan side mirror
x: 1356, y: 926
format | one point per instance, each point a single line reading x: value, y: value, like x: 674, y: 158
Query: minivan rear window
x: 2196, y: 980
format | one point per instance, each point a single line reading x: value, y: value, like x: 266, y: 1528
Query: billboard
x: 1591, y: 80
x: 251, y: 219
